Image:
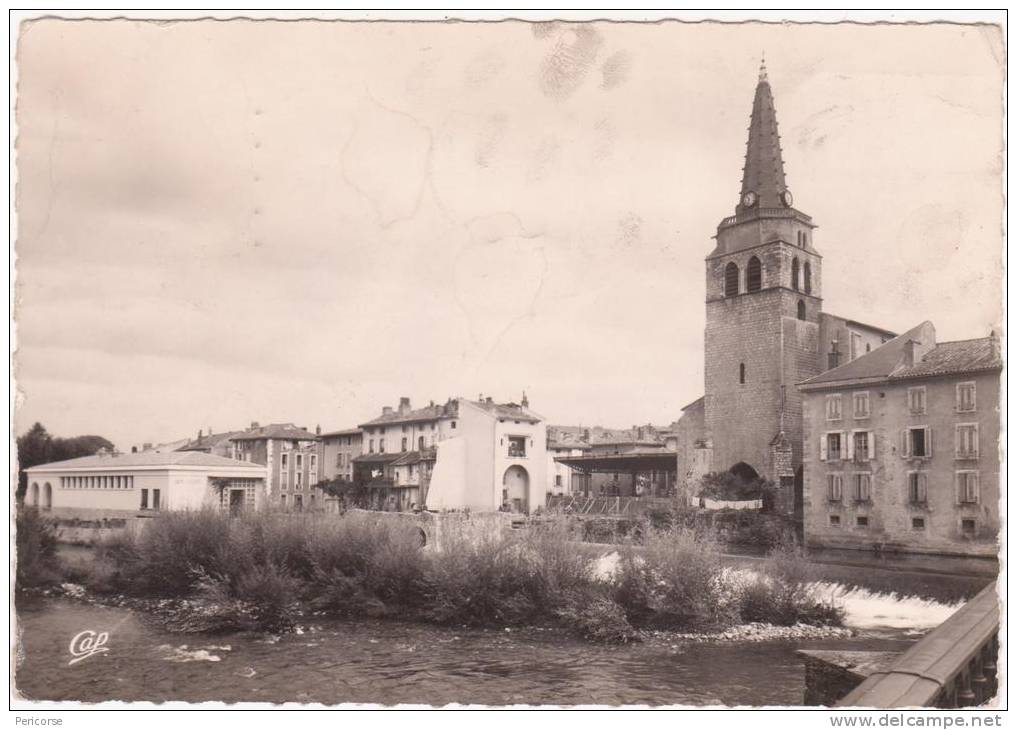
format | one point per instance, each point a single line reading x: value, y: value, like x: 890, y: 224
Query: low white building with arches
x: 146, y: 482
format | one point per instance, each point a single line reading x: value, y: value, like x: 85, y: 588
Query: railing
x: 630, y: 506
x: 757, y: 213
x: 953, y: 666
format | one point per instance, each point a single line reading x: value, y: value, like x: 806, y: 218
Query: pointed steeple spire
x: 763, y: 183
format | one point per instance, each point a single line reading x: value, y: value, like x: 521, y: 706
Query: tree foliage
x: 352, y: 493
x: 36, y: 446
x: 730, y: 487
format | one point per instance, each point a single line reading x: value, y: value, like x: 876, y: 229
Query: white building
x: 145, y: 482
x: 496, y: 459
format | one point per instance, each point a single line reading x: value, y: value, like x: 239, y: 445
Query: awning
x: 631, y: 462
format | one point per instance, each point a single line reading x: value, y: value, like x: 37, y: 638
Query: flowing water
x: 386, y: 662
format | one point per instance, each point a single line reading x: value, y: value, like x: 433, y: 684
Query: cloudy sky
x: 221, y: 222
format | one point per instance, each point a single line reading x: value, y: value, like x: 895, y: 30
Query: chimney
x: 641, y: 432
x: 134, y: 449
x: 586, y: 434
x: 146, y: 446
x: 199, y: 434
x: 317, y: 430
x: 994, y: 343
x: 386, y: 411
x: 834, y: 356
x: 255, y: 424
x: 489, y: 400
x: 404, y: 405
x: 525, y: 402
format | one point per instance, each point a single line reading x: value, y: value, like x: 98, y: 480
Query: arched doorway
x: 33, y: 495
x: 47, y: 496
x: 745, y: 472
x: 515, y: 487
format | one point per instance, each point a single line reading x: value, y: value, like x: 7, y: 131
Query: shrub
x: 36, y: 545
x: 671, y: 583
x: 480, y: 576
x: 597, y: 617
x: 782, y: 594
x: 173, y: 549
x: 363, y: 564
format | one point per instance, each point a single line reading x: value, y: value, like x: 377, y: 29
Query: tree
x: 36, y: 446
x: 730, y: 487
x: 353, y: 494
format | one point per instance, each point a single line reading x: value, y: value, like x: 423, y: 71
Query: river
x: 391, y: 662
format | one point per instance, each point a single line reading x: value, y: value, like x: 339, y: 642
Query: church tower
x: 763, y: 302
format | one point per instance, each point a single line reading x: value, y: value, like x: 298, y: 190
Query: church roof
x: 763, y: 174
x: 888, y: 362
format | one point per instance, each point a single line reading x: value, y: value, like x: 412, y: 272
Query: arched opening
x: 801, y: 310
x: 515, y: 487
x: 794, y: 273
x: 33, y: 495
x: 741, y: 373
x: 47, y: 496
x: 807, y: 270
x: 754, y: 278
x: 731, y: 279
x: 744, y: 472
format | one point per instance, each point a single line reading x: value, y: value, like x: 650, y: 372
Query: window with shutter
x: 965, y: 397
x: 916, y: 400
x: 834, y: 491
x: 966, y: 440
x: 863, y: 487
x: 861, y: 405
x: 967, y: 487
x: 917, y: 487
x: 833, y: 407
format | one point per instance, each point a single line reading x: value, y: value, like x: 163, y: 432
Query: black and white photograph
x: 508, y: 360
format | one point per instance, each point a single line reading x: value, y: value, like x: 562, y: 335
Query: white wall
x: 535, y: 461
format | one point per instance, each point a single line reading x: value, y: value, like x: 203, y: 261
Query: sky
x: 225, y: 222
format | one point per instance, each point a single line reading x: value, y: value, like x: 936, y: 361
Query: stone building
x: 902, y: 448
x: 338, y: 449
x: 765, y: 327
x: 291, y: 456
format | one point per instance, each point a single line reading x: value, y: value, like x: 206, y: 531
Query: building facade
x: 291, y: 457
x: 902, y: 448
x: 338, y: 449
x: 145, y: 483
x: 562, y: 442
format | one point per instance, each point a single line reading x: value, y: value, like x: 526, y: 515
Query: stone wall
x: 889, y: 513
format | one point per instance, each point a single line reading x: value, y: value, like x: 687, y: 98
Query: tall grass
x: 36, y: 544
x: 259, y: 570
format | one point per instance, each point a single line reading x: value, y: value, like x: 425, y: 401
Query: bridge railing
x: 954, y: 665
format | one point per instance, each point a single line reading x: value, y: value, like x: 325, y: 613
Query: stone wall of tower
x: 762, y: 331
